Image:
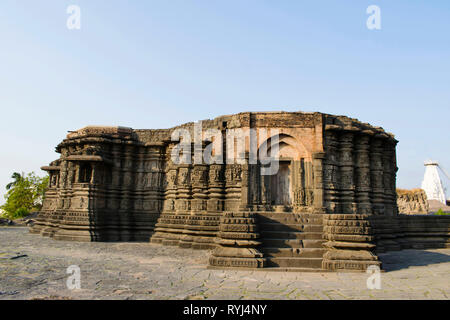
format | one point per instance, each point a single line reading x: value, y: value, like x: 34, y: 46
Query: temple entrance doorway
x: 282, y: 186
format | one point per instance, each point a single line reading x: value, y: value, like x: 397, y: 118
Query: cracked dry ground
x: 34, y: 267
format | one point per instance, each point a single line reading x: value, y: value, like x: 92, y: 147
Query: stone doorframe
x: 275, y: 203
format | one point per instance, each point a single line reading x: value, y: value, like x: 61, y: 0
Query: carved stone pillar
x: 95, y: 174
x: 140, y: 170
x: 389, y: 171
x: 128, y: 164
x: 194, y: 229
x: 171, y: 189
x: 394, y: 177
x: 346, y: 174
x: 318, y: 182
x: 297, y: 186
x: 116, y: 168
x: 168, y: 226
x: 70, y: 174
x: 265, y: 191
x: 183, y: 201
x: 233, y: 180
x: 362, y: 174
x: 215, y: 202
x: 126, y: 217
x: 245, y: 188
x: 301, y: 184
x: 330, y: 179
x: 254, y: 186
x: 63, y: 175
x: 376, y: 176
x: 199, y: 188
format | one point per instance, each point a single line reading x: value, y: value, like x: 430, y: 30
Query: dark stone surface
x: 151, y: 271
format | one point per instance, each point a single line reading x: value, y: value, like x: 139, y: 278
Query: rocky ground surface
x: 34, y: 267
x: 23, y: 222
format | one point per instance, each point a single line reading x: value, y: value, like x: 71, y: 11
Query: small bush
x: 20, y: 213
x: 441, y: 213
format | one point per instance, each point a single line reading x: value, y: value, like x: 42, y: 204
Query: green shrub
x: 20, y: 213
x: 25, y: 194
x: 441, y: 213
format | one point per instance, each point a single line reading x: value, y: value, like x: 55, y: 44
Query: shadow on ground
x: 403, y: 259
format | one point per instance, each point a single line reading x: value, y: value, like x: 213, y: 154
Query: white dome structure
x: 432, y: 183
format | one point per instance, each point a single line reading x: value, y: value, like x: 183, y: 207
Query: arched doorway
x: 281, y: 185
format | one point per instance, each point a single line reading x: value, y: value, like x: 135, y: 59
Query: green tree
x: 17, y: 178
x: 25, y: 193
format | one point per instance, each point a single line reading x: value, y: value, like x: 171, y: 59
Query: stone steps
x: 293, y: 252
x: 288, y: 269
x: 290, y: 218
x: 315, y: 263
x: 292, y: 243
x: 276, y: 226
x: 269, y: 234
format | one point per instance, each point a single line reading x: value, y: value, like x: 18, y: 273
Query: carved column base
x: 350, y: 243
x: 169, y: 229
x: 235, y: 257
x: 214, y: 205
x: 237, y: 242
x: 200, y: 231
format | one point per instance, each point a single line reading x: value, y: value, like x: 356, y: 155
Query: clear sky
x: 156, y: 64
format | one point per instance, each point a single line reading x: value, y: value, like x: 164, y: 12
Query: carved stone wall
x: 107, y: 186
x: 359, y: 169
x: 412, y: 201
x: 359, y: 176
x: 410, y: 232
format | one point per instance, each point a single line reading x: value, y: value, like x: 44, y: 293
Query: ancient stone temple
x: 330, y: 203
x: 412, y: 201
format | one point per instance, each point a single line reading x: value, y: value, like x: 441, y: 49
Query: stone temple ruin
x: 331, y: 205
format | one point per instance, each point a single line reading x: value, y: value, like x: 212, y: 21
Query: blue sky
x: 156, y: 64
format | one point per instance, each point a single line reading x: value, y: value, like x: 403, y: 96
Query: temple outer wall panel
x: 109, y: 190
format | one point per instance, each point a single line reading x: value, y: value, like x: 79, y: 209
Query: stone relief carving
x: 233, y: 173
x: 184, y: 176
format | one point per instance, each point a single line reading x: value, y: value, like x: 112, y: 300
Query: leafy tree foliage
x: 25, y: 194
x: 17, y: 178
